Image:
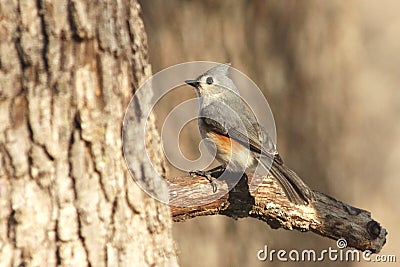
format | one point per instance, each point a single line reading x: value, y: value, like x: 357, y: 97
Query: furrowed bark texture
x: 67, y: 72
x: 326, y: 216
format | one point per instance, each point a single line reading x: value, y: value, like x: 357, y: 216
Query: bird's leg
x: 208, y: 174
x: 217, y: 171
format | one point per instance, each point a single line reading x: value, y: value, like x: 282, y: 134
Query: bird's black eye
x: 209, y: 80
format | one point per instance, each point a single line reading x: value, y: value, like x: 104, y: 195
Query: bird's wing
x: 239, y: 128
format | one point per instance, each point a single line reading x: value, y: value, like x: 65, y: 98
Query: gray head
x: 213, y: 82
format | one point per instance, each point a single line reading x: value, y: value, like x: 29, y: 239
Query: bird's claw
x: 206, y: 175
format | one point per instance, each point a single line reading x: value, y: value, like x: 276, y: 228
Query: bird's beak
x: 193, y: 83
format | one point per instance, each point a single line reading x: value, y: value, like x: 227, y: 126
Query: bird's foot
x: 207, y: 175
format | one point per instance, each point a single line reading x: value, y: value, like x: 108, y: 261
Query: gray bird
x: 241, y: 143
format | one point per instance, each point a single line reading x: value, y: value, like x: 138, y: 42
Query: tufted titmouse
x: 241, y: 143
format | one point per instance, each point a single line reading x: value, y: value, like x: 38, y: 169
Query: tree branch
x: 326, y: 216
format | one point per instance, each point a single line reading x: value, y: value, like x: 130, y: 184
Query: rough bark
x: 325, y: 216
x: 67, y: 72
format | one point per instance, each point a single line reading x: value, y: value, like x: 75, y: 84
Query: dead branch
x: 326, y: 216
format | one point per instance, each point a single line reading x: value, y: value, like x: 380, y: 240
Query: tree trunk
x: 67, y: 72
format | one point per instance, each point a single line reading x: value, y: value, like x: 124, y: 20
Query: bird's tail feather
x: 295, y: 189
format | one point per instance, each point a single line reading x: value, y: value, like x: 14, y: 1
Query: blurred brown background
x: 330, y: 71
